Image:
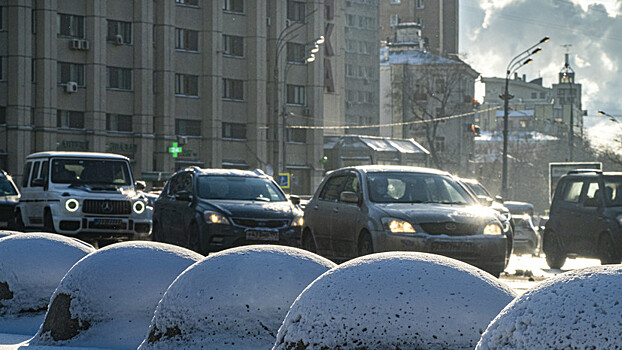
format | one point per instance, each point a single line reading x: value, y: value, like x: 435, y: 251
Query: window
x: 542, y: 95
x: 296, y: 95
x: 69, y: 119
x: 33, y: 70
x: 2, y: 115
x: 119, y: 78
x: 297, y: 135
x: 119, y: 122
x: 396, y: 2
x: 187, y: 2
x: 233, y: 45
x: 186, y: 85
x: 419, y: 4
x: 186, y: 39
x: 572, y: 191
x: 295, y: 53
x: 439, y: 143
x: 187, y: 127
x: 234, y: 131
x: 522, y: 124
x: 395, y: 19
x: 233, y: 89
x: 70, y: 26
x: 2, y: 18
x: 350, y: 70
x: 27, y: 167
x: 119, y: 32
x: 296, y: 11
x: 330, y: 192
x: 534, y: 95
x: 350, y: 20
x: 2, y: 69
x: 234, y: 6
x: 70, y: 72
x: 35, y: 173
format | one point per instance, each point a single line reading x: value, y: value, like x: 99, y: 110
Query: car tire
x: 18, y: 224
x: 365, y: 245
x: 308, y: 243
x: 555, y: 256
x: 48, y: 222
x: 194, y: 238
x: 606, y: 251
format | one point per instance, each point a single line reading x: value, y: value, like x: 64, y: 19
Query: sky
x: 492, y: 32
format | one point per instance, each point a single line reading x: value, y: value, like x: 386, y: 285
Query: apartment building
x: 438, y: 20
x: 168, y: 83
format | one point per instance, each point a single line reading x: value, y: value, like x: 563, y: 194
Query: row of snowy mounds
x: 581, y: 309
x: 398, y: 300
x: 107, y: 299
x: 4, y: 233
x: 235, y: 299
x: 31, y: 267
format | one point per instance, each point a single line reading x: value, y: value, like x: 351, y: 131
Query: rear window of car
x: 6, y: 187
x: 238, y: 188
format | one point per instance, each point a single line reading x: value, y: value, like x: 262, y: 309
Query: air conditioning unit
x: 74, y: 44
x: 118, y: 39
x: 71, y: 87
x: 85, y: 45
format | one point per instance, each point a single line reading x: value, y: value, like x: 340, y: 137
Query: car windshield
x: 91, y: 171
x: 404, y: 187
x: 478, y: 189
x: 244, y: 188
x: 613, y: 192
x: 7, y: 188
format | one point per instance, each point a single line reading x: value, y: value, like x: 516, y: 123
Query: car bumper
x: 525, y: 243
x: 103, y: 227
x: 218, y: 237
x: 485, y: 252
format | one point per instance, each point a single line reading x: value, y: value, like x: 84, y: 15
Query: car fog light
x: 298, y: 221
x: 72, y: 205
x: 492, y: 229
x: 139, y: 207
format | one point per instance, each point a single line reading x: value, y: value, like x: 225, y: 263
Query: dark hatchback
x: 208, y: 210
x: 367, y: 209
x: 9, y: 198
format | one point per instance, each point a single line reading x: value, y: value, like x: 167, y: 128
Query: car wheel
x: 606, y: 251
x: 194, y: 238
x: 308, y: 243
x: 18, y: 224
x: 48, y: 222
x: 555, y: 256
x: 365, y: 245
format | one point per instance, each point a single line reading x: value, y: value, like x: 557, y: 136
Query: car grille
x: 107, y: 207
x: 450, y: 229
x: 255, y: 223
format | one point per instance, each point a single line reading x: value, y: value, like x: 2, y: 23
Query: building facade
x: 439, y: 21
x: 168, y: 83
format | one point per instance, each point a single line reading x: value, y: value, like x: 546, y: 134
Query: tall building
x: 169, y: 83
x: 438, y: 20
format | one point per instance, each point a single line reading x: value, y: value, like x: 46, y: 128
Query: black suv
x: 585, y: 218
x: 208, y: 210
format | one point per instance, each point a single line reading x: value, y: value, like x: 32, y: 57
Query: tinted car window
x: 91, y: 171
x: 479, y: 190
x: 613, y: 190
x: 35, y: 172
x: 6, y: 187
x: 352, y: 184
x: 330, y: 192
x: 238, y: 188
x: 26, y: 174
x: 572, y: 191
x: 415, y: 188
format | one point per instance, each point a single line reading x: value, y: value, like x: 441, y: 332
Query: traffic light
x: 324, y: 160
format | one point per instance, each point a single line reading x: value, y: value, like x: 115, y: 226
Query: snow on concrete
x: 107, y: 299
x: 31, y: 267
x: 581, y: 309
x: 4, y: 233
x: 235, y: 299
x: 395, y: 300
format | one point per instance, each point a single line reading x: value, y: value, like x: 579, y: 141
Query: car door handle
x: 315, y: 207
x: 335, y: 210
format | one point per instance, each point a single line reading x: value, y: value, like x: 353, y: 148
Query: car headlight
x: 212, y: 217
x: 619, y: 218
x: 139, y: 207
x: 298, y: 221
x: 492, y: 230
x: 394, y: 225
x: 72, y: 205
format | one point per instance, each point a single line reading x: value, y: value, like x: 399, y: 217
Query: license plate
x: 262, y: 235
x: 451, y: 246
x: 107, y: 223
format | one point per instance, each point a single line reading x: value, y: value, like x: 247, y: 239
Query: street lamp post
x: 516, y: 63
x: 611, y: 118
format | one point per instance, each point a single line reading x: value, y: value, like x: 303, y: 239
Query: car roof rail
x: 259, y: 172
x: 583, y: 171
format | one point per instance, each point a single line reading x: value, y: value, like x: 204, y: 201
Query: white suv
x: 89, y: 195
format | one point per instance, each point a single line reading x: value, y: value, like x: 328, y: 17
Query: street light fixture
x: 611, y: 118
x: 515, y: 64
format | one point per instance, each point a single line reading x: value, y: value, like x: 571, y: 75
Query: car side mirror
x: 140, y: 185
x: 295, y: 200
x: 183, y: 196
x: 499, y: 199
x: 38, y: 182
x: 485, y: 200
x: 349, y: 197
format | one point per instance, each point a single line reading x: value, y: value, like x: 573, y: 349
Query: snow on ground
x: 107, y: 299
x: 235, y: 299
x: 576, y: 310
x: 31, y: 267
x: 397, y: 300
x: 4, y: 233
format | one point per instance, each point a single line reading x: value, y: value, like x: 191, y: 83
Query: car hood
x: 254, y: 209
x: 419, y: 213
x: 96, y: 191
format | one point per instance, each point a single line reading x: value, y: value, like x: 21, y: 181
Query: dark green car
x: 208, y: 210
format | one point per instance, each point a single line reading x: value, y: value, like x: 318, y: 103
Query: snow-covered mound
x: 4, y: 233
x: 31, y: 267
x: 396, y: 300
x: 235, y: 299
x: 108, y: 298
x: 581, y: 309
